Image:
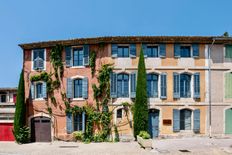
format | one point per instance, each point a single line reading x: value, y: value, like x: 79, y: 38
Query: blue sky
x: 40, y: 20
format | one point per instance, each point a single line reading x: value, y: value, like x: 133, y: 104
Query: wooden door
x: 153, y: 123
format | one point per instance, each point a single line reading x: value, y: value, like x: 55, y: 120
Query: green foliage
x: 56, y: 60
x: 49, y: 109
x: 20, y: 111
x: 144, y: 134
x: 226, y: 34
x: 141, y: 107
x: 23, y: 136
x: 116, y: 138
x: 98, y: 137
x: 78, y: 135
x: 92, y: 62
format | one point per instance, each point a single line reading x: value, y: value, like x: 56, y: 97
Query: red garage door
x: 6, y: 132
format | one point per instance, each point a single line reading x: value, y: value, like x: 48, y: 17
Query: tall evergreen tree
x: 20, y: 111
x: 141, y: 107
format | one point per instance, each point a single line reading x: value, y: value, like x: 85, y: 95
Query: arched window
x: 152, y: 85
x: 185, y: 82
x: 123, y: 85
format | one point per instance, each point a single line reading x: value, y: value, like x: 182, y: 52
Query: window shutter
x: 85, y: 88
x: 86, y: 55
x: 68, y: 56
x: 163, y: 86
x: 113, y: 85
x: 83, y: 122
x: 69, y: 123
x: 144, y: 47
x: 196, y: 115
x: 69, y: 88
x: 176, y: 85
x: 228, y: 53
x: 162, y: 52
x: 176, y: 120
x: 133, y: 50
x: 177, y: 50
x: 197, y: 85
x: 44, y: 90
x: 133, y: 85
x: 195, y: 50
x: 114, y: 50
x: 32, y: 90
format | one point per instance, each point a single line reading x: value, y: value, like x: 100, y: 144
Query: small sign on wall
x: 167, y: 122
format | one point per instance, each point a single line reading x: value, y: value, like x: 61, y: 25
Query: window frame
x: 1, y: 98
x: 124, y: 46
x: 35, y: 90
x: 32, y: 59
x: 121, y: 113
x: 78, y: 124
x: 122, y: 86
x: 191, y: 50
x: 158, y: 82
x: 158, y: 50
x: 190, y: 86
x: 72, y: 56
x: 77, y: 98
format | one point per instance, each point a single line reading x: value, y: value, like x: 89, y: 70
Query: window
x: 39, y: 90
x: 77, y: 122
x: 123, y: 85
x: 123, y: 51
x: 3, y: 98
x: 78, y: 88
x: 228, y: 53
x: 152, y: 85
x: 185, y: 51
x: 185, y: 81
x: 185, y: 119
x: 78, y: 54
x: 38, y: 59
x: 152, y: 51
x: 119, y: 113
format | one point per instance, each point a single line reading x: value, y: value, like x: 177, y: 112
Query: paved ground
x: 166, y: 146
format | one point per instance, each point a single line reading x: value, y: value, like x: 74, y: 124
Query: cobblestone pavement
x: 201, y: 146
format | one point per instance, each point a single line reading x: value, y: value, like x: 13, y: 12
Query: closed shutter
x: 133, y: 50
x: 144, y: 48
x: 133, y: 85
x: 69, y: 123
x: 197, y: 85
x: 176, y: 85
x: 228, y: 85
x: 113, y: 85
x: 68, y: 56
x: 163, y: 87
x: 196, y: 115
x: 177, y: 50
x: 176, y: 120
x: 114, y: 50
x: 162, y: 52
x: 195, y: 50
x: 32, y: 90
x: 228, y: 53
x: 86, y: 55
x: 69, y: 88
x: 83, y: 122
x: 85, y: 88
x: 44, y: 90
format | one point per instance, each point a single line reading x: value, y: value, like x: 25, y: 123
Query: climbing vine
x: 92, y: 63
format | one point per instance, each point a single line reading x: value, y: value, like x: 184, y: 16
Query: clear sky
x: 24, y: 21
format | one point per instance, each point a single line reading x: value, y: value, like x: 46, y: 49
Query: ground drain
x: 184, y: 151
x: 68, y: 146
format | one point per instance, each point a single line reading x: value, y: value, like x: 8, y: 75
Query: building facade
x: 177, y: 87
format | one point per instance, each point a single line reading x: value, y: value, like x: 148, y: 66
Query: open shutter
x: 177, y: 50
x: 133, y: 50
x: 32, y: 90
x: 162, y: 52
x: 86, y: 55
x: 85, y: 88
x: 144, y: 47
x: 163, y: 86
x: 176, y: 120
x: 113, y: 85
x: 69, y: 92
x: 114, y: 50
x: 197, y: 85
x: 44, y: 90
x: 68, y: 56
x: 196, y: 115
x: 133, y: 85
x: 69, y: 123
x: 176, y: 85
x: 228, y: 53
x: 195, y: 50
x: 83, y: 122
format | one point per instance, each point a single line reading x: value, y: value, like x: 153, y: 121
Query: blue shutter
x: 69, y: 123
x: 69, y: 89
x: 196, y: 115
x: 176, y: 120
x: 114, y: 50
x: 133, y: 50
x: 68, y: 56
x: 86, y: 55
x: 163, y: 87
x: 162, y: 52
x: 113, y: 85
x: 197, y: 85
x: 83, y: 122
x: 176, y: 85
x: 133, y: 85
x: 32, y: 90
x: 144, y: 47
x: 44, y: 90
x: 195, y: 50
x: 85, y: 88
x: 177, y: 50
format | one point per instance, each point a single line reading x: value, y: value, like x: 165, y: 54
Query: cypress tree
x: 20, y: 111
x: 141, y: 107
